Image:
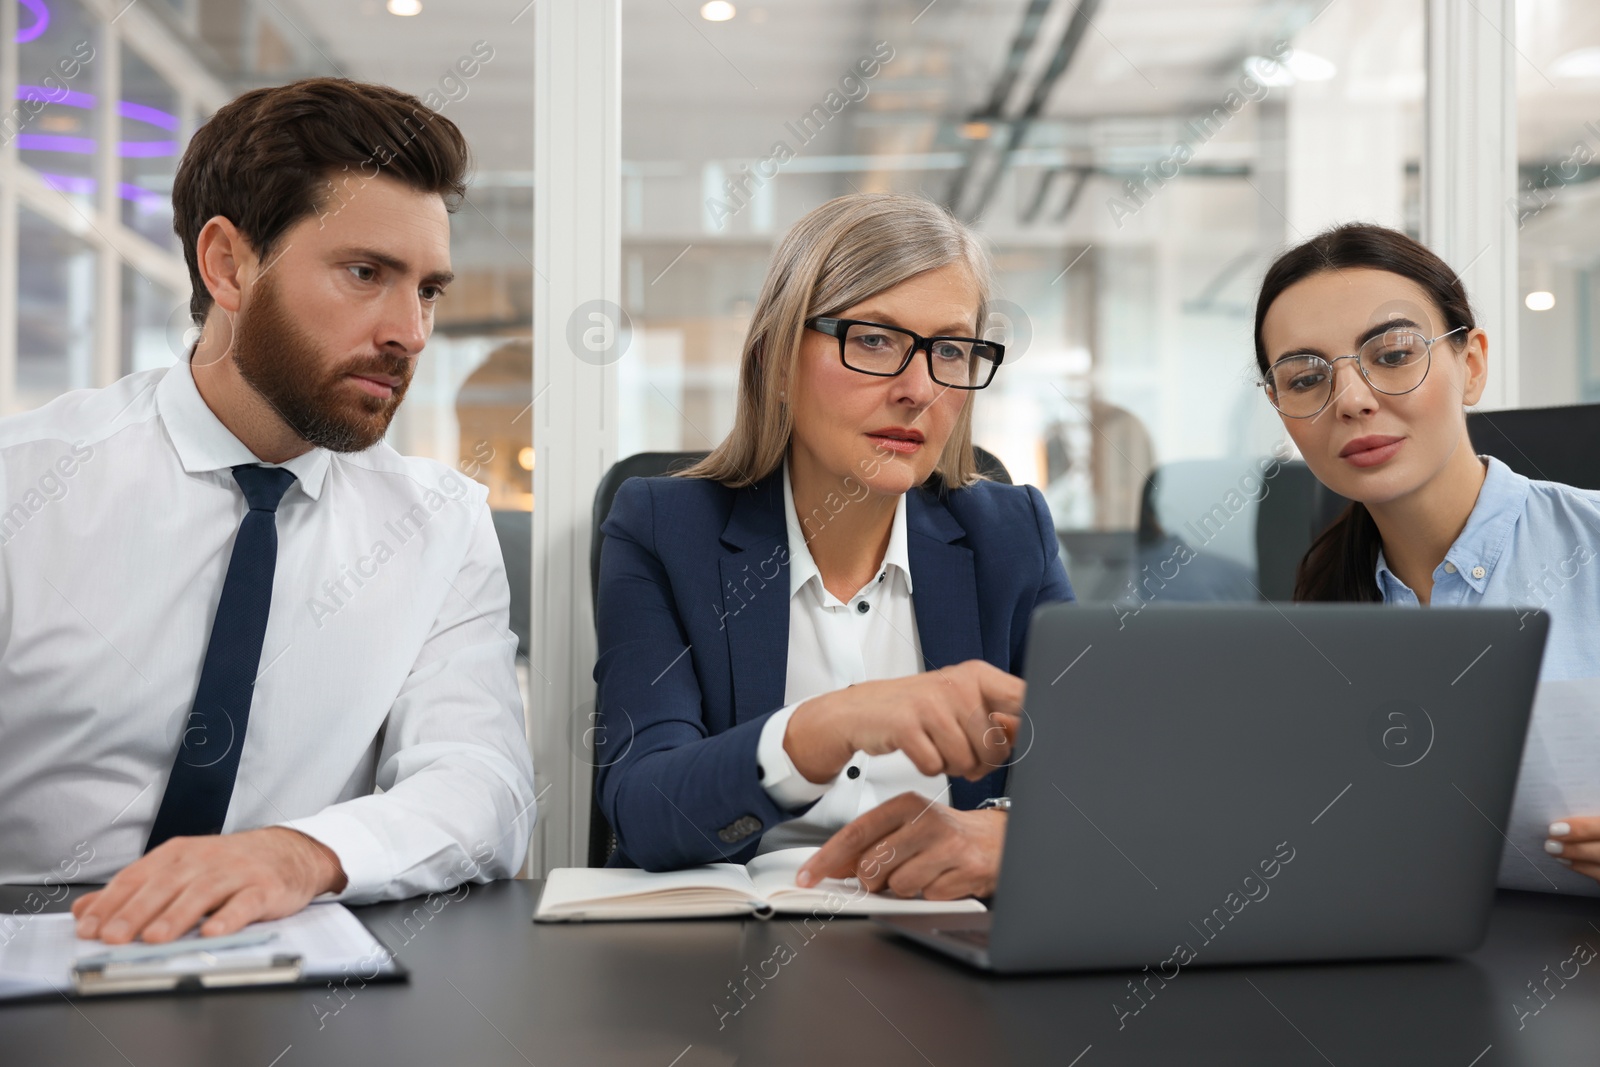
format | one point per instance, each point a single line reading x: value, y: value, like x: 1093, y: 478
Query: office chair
x: 514, y: 530
x: 1547, y: 444
x: 1287, y: 520
x: 1560, y: 444
x: 602, y: 842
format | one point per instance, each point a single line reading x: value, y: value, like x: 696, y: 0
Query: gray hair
x: 837, y: 256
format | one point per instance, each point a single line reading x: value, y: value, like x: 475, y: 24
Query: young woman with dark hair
x: 1368, y: 349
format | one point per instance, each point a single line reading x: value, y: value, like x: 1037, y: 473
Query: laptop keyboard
x: 979, y: 938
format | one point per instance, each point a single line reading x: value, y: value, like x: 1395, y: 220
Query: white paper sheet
x: 37, y: 951
x: 1560, y: 777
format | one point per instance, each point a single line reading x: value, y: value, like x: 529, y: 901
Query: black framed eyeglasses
x: 1393, y: 363
x: 885, y: 351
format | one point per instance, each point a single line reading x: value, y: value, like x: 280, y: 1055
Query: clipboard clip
x: 216, y: 963
x: 160, y: 976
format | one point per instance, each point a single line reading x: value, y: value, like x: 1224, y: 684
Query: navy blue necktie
x: 196, y: 800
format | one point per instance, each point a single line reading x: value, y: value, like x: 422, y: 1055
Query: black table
x: 490, y: 987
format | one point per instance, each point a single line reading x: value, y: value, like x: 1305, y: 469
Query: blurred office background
x: 1134, y: 165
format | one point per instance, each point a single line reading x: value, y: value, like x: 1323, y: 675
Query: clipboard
x: 320, y: 945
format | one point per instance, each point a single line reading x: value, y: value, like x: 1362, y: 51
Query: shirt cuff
x: 360, y: 853
x: 788, y: 788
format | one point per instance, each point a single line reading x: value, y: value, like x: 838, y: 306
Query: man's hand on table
x: 912, y: 847
x: 236, y: 879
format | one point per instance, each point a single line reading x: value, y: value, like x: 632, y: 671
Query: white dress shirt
x: 834, y: 644
x: 387, y: 661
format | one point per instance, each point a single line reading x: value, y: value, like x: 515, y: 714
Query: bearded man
x: 251, y: 656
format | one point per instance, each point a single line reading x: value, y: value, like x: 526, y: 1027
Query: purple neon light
x: 71, y: 183
x: 146, y: 149
x: 68, y: 98
x: 41, y: 21
x: 50, y: 142
x: 85, y: 146
x: 152, y: 116
x: 145, y: 113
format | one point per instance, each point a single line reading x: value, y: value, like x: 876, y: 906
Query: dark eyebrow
x: 1368, y: 334
x: 882, y: 319
x: 1384, y: 327
x: 399, y: 266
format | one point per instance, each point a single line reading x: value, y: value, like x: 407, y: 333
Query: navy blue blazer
x: 693, y: 618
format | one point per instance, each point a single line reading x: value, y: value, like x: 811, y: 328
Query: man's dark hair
x: 273, y: 156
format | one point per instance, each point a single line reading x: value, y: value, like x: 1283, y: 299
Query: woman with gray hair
x: 814, y: 636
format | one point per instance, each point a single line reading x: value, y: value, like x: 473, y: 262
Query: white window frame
x: 577, y: 242
x: 1470, y: 169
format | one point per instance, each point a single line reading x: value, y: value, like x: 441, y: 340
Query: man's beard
x: 284, y: 365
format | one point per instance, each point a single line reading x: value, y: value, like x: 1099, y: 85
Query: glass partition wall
x: 1557, y: 205
x: 1133, y: 167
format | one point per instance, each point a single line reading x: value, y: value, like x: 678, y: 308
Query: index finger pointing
x: 839, y: 856
x: 1003, y: 693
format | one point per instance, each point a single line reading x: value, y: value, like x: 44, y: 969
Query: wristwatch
x: 995, y: 804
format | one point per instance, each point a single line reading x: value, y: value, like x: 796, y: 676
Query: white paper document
x: 37, y: 952
x: 1560, y: 777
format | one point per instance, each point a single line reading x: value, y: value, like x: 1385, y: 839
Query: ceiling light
x: 405, y: 7
x: 976, y: 131
x: 1297, y: 66
x: 1268, y: 72
x: 1540, y: 300
x: 1310, y: 68
x: 1584, y: 63
x: 717, y: 11
x: 525, y: 458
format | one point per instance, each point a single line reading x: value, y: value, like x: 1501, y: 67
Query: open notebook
x: 764, y: 887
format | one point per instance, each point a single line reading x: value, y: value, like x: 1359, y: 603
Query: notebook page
x: 774, y: 872
x: 714, y: 888
x: 774, y: 876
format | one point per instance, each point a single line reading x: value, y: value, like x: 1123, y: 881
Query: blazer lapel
x: 755, y: 597
x: 944, y: 582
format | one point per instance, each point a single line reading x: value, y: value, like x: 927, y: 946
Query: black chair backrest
x: 1548, y: 444
x: 639, y: 465
x: 515, y: 532
x: 1286, y: 522
x: 1560, y: 444
x: 602, y: 842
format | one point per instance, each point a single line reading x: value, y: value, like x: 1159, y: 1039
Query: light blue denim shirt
x: 1531, y: 545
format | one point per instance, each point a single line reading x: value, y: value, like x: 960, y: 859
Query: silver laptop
x: 1197, y: 785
